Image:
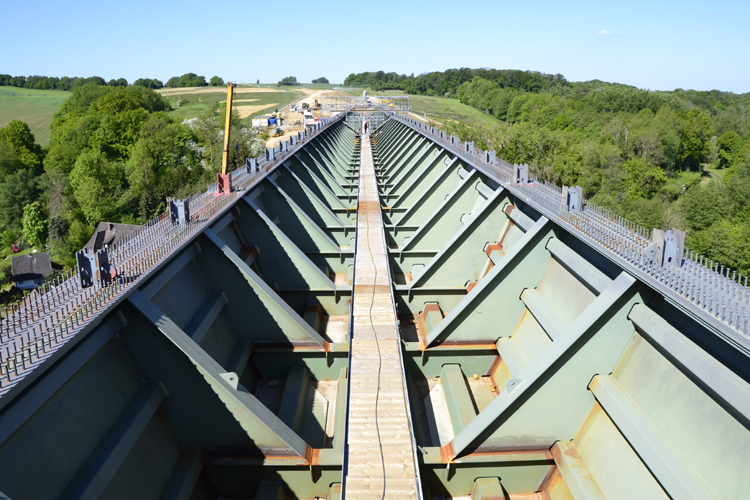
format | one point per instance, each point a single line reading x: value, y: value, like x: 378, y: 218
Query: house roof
x: 33, y: 266
x: 108, y: 233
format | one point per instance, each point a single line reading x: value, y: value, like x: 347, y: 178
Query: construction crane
x: 223, y: 182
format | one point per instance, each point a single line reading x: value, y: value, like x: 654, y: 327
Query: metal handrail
x: 705, y: 284
x: 36, y: 328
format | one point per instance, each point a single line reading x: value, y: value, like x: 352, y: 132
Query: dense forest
x: 662, y: 159
x: 115, y: 155
x: 446, y: 83
x: 71, y: 83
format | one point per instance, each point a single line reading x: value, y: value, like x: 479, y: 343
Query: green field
x: 439, y: 109
x: 34, y: 107
x: 314, y: 86
x: 193, y: 104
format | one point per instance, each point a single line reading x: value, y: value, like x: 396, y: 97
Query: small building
x: 261, y: 121
x: 107, y: 234
x: 29, y: 271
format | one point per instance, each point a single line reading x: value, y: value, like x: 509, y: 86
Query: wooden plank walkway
x: 375, y: 328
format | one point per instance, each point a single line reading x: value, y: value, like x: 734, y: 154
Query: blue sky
x: 650, y: 44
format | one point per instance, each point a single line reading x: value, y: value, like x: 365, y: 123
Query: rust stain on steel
x: 508, y: 209
x: 488, y: 452
x: 315, y: 457
x: 493, y: 367
x: 553, y: 476
x: 447, y: 453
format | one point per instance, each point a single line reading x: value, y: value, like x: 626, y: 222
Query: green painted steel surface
x: 224, y: 375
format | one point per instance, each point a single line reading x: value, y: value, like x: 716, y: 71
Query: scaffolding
x: 365, y: 108
x: 396, y: 104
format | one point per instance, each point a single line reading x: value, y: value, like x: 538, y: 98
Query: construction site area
x: 377, y: 310
x: 316, y: 106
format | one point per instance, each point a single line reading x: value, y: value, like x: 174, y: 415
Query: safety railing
x: 39, y: 325
x: 707, y: 285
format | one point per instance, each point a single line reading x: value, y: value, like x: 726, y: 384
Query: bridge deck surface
x: 375, y: 352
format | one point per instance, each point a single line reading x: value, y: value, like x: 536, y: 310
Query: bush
x: 289, y: 80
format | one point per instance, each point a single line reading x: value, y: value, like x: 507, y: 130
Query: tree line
x: 292, y: 80
x: 446, y: 83
x: 71, y: 83
x: 662, y: 159
x: 115, y: 155
x: 54, y: 83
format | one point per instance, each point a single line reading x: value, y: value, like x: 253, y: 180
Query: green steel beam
x: 457, y: 397
x: 334, y: 175
x: 333, y: 154
x: 519, y: 391
x: 440, y: 165
x: 169, y: 271
x: 407, y: 165
x: 420, y: 170
x: 36, y: 396
x: 316, y: 208
x: 205, y: 316
x: 478, y: 314
x: 324, y: 175
x: 712, y: 376
x: 95, y: 475
x: 543, y: 313
x: 674, y: 475
x: 289, y: 321
x: 308, y: 275
x: 445, y: 221
x: 261, y: 425
x: 315, y: 183
x: 323, y: 238
x: 238, y: 360
x: 463, y: 256
x: 185, y: 475
x: 594, y: 279
x: 430, y: 200
x: 574, y: 471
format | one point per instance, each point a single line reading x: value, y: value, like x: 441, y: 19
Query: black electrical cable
x: 377, y: 344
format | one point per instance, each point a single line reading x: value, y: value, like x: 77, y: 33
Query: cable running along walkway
x: 380, y: 446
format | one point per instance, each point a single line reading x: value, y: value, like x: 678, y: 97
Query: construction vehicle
x: 223, y: 180
x: 316, y: 105
x: 278, y: 132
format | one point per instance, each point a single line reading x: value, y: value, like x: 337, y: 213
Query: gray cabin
x: 29, y: 271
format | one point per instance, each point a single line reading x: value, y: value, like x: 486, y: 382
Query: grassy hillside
x: 34, y: 107
x: 248, y: 100
x: 442, y: 109
x: 439, y: 109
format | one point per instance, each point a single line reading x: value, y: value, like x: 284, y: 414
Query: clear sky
x: 659, y: 45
